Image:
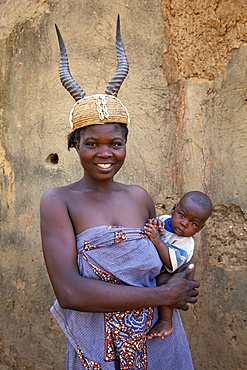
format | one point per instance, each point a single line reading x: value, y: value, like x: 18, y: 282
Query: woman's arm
x: 82, y: 294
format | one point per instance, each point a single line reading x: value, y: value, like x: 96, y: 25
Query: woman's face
x: 102, y: 150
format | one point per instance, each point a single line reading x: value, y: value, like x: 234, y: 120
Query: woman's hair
x: 74, y: 136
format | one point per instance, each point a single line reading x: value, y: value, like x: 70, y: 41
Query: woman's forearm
x: 96, y: 296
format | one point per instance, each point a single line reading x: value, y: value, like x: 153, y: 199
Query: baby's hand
x: 153, y: 233
x: 159, y: 225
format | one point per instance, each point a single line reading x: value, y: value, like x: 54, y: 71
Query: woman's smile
x: 104, y: 165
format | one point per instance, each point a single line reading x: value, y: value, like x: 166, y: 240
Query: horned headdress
x: 99, y: 108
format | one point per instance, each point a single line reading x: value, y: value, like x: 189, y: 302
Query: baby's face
x: 187, y: 218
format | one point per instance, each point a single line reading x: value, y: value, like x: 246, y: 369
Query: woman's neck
x: 90, y: 185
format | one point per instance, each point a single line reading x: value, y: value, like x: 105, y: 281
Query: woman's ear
x: 77, y: 145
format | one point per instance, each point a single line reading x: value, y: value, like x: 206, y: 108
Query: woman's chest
x: 103, y: 247
x: 86, y: 212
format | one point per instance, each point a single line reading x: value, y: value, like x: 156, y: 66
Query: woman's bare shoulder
x: 140, y: 196
x: 52, y: 193
x: 59, y: 191
x: 136, y: 190
x: 56, y: 197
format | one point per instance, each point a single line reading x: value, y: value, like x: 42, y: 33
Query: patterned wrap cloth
x: 99, y: 341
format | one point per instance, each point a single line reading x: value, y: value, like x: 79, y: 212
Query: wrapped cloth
x: 98, y: 341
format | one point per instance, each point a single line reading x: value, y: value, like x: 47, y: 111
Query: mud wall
x: 186, y: 93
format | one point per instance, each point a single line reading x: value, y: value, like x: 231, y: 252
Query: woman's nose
x: 104, y: 151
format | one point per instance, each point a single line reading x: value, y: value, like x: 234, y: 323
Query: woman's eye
x: 116, y: 145
x: 91, y: 143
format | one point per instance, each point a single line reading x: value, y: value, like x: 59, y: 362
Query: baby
x: 172, y: 235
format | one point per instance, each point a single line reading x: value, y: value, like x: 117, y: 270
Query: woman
x: 100, y: 262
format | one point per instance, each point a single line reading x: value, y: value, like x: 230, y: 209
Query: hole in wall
x: 52, y: 158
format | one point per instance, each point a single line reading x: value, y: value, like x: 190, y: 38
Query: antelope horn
x: 64, y: 72
x: 122, y: 68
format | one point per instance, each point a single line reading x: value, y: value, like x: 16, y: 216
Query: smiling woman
x: 102, y: 148
x: 101, y: 264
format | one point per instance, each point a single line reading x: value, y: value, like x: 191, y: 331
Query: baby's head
x: 190, y: 213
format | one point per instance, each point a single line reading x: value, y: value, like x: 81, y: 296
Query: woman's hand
x: 181, y: 289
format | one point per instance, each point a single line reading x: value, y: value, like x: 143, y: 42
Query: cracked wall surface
x: 186, y: 93
x: 7, y: 189
x: 204, y: 62
x: 201, y: 35
x: 14, y: 14
x: 227, y: 238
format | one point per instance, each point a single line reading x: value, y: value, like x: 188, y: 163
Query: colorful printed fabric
x: 97, y: 341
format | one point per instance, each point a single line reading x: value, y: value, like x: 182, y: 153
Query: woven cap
x: 97, y: 110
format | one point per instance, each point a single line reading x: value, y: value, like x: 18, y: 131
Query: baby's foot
x: 162, y: 328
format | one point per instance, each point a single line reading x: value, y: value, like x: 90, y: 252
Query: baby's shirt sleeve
x: 180, y: 250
